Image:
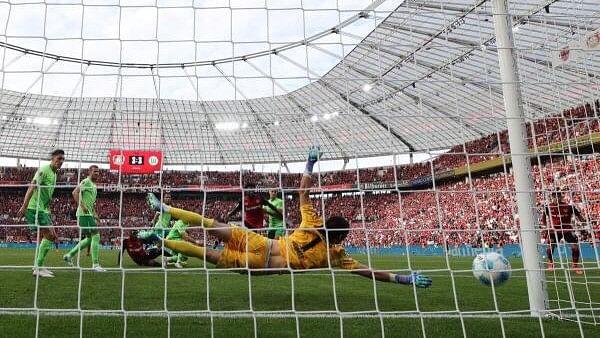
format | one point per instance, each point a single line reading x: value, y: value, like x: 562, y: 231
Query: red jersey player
x: 557, y: 218
x: 254, y: 215
x: 137, y: 252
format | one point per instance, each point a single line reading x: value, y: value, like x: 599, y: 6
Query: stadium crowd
x: 480, y: 211
x: 477, y: 212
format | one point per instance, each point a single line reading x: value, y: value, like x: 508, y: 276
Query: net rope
x: 573, y: 84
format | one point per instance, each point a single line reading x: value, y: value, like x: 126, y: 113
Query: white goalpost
x: 448, y: 130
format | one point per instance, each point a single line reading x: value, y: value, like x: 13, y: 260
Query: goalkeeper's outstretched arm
x: 418, y: 280
x: 306, y: 181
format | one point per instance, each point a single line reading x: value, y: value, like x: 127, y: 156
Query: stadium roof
x: 425, y: 78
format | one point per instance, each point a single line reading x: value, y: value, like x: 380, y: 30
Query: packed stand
x: 477, y: 212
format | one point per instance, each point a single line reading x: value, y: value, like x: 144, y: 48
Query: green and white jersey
x: 177, y: 231
x: 45, y: 180
x: 162, y: 225
x: 87, y: 197
x: 275, y: 222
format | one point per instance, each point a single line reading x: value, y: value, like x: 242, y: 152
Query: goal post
x: 521, y: 158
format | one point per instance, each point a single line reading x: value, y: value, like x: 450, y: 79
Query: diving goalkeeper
x: 312, y: 245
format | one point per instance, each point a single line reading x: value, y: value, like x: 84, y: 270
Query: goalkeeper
x: 312, y: 245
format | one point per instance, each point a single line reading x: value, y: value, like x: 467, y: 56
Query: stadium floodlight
x: 227, y: 125
x: 42, y: 120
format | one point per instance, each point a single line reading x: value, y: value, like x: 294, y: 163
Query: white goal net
x: 448, y: 130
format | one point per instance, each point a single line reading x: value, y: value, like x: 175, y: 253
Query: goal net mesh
x: 411, y: 103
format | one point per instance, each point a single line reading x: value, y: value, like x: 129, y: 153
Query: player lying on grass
x: 312, y: 245
x: 137, y: 251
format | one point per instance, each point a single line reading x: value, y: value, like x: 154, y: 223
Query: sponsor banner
x: 333, y: 187
x: 588, y: 251
x: 421, y: 180
x: 384, y: 185
x: 444, y: 174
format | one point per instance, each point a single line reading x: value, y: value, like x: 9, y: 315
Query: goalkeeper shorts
x: 245, y: 249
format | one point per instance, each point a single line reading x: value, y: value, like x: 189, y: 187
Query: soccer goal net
x: 392, y: 168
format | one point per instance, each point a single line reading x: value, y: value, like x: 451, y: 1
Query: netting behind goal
x: 448, y: 129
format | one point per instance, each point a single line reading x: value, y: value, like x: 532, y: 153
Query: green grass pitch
x: 144, y: 290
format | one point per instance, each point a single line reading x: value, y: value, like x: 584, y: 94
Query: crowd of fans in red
x: 480, y: 211
x: 475, y: 212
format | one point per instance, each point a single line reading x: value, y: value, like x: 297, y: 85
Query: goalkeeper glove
x: 314, y: 153
x: 418, y: 280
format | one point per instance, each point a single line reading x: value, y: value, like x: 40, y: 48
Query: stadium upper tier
x: 426, y: 77
x: 573, y: 128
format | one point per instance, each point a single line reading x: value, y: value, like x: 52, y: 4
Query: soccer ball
x: 490, y: 268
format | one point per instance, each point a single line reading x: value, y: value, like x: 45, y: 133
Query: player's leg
x: 551, y: 237
x: 45, y: 246
x: 40, y: 221
x: 218, y: 229
x: 575, y: 254
x: 84, y: 243
x: 169, y: 259
x: 181, y: 260
x: 191, y: 250
x: 95, y: 248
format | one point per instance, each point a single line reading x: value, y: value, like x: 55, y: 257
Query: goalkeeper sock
x: 95, y: 245
x: 80, y: 246
x: 191, y: 217
x: 185, y: 248
x: 45, y: 246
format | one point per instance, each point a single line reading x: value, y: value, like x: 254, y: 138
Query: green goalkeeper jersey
x: 274, y: 222
x: 177, y: 231
x: 45, y: 180
x: 87, y: 197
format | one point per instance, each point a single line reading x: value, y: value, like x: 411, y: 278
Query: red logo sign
x: 136, y: 161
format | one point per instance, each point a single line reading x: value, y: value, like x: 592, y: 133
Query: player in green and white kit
x: 276, y: 226
x: 162, y: 221
x: 36, y: 209
x: 161, y: 225
x: 178, y: 233
x: 85, y: 197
